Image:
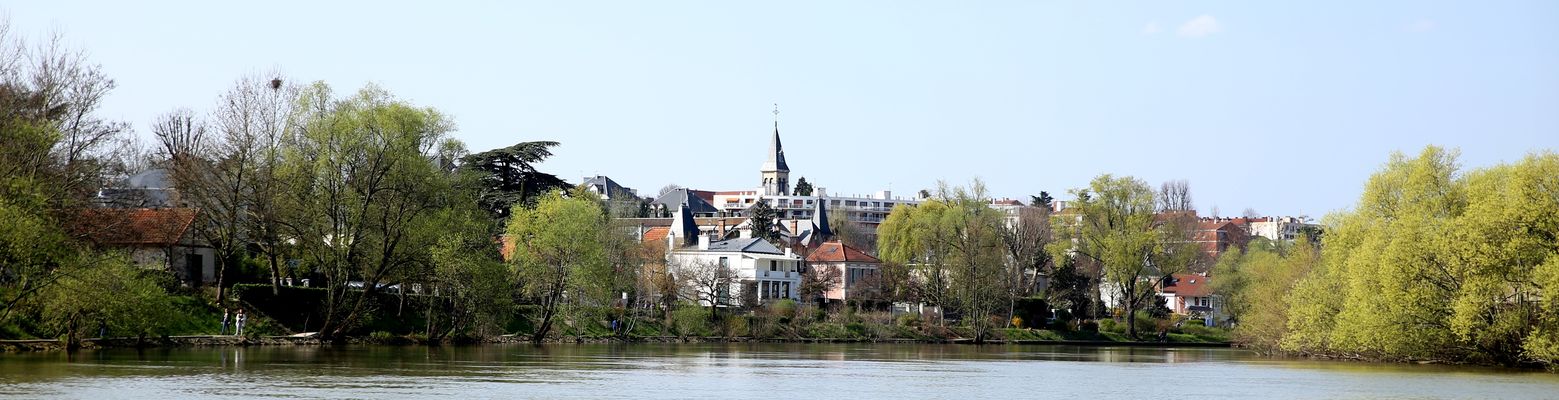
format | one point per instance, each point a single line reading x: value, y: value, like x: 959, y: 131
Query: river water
x: 780, y: 371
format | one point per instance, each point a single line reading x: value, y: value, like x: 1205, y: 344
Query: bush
x: 909, y: 320
x: 691, y: 320
x: 784, y: 309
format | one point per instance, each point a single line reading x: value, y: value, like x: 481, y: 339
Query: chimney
x: 795, y: 234
x: 722, y: 228
x: 703, y: 245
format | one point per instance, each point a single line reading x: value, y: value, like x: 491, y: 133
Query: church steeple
x: 776, y: 161
x: 776, y: 174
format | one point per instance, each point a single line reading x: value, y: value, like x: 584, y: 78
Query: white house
x: 739, y: 266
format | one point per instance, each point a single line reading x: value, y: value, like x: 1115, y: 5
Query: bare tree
x: 817, y: 281
x: 704, y: 281
x: 1175, y: 196
x: 668, y: 188
x: 1025, y: 238
x: 1250, y: 213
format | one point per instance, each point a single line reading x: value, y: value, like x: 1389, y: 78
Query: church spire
x: 776, y: 175
x: 776, y: 161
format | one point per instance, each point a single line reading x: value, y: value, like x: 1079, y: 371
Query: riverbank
x: 44, y: 345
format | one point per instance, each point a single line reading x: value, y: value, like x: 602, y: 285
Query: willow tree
x: 1453, y: 265
x: 1254, y: 286
x: 562, y: 255
x: 363, y: 193
x: 953, y: 243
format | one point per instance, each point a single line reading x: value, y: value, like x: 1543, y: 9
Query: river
x: 783, y: 371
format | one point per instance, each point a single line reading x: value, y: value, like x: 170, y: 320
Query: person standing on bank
x: 225, y: 321
x: 239, y: 320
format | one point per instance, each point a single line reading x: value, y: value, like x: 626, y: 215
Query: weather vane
x: 776, y: 112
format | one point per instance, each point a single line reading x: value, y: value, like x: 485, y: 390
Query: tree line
x: 1433, y: 263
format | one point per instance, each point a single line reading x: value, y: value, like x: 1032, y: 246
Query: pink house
x: 854, y: 266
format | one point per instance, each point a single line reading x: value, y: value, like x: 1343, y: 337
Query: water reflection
x: 736, y: 370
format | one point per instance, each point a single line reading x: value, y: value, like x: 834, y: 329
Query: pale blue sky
x: 1282, y: 108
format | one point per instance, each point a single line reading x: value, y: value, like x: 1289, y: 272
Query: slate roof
x: 674, y: 199
x: 608, y: 187
x: 836, y: 251
x: 776, y: 161
x: 747, y: 245
x: 152, y: 188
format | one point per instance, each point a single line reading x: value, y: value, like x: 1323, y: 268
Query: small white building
x: 754, y: 265
x: 742, y: 268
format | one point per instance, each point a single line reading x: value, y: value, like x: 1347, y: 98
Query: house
x: 157, y: 238
x: 744, y: 268
x: 1216, y: 236
x: 855, y: 267
x: 674, y: 199
x: 608, y: 189
x: 152, y: 188
x: 1190, y: 294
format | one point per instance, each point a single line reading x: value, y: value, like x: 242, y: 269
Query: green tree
x: 559, y: 250
x: 111, y: 294
x: 954, y: 243
x: 1254, y: 286
x: 1453, y: 265
x: 803, y: 188
x: 1042, y: 200
x: 472, y: 281
x: 509, y: 176
x: 762, y: 217
x: 1117, y: 228
x: 364, y: 190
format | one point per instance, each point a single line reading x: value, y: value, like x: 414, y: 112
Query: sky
x: 1285, y: 109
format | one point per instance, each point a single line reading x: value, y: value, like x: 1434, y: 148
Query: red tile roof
x: 133, y: 226
x: 656, y: 234
x: 1189, y: 285
x: 835, y: 251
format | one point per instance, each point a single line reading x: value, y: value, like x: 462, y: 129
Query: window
x: 773, y: 265
x: 725, y: 262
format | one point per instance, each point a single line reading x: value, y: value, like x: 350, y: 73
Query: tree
x: 803, y: 188
x: 1024, y: 240
x: 509, y: 176
x: 55, y: 152
x: 1175, y: 196
x: 1254, y: 286
x: 469, y: 278
x: 364, y: 189
x: 1042, y: 200
x: 762, y: 218
x: 704, y: 282
x: 667, y: 189
x: 559, y: 251
x: 1119, y: 230
x: 1453, y: 264
x: 954, y: 242
x: 114, y: 295
x: 852, y: 233
x: 817, y: 281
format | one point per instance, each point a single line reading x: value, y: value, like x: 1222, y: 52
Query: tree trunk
x: 221, y: 268
x: 275, y: 274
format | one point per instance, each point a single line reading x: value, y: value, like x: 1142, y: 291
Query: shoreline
x: 49, y: 345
